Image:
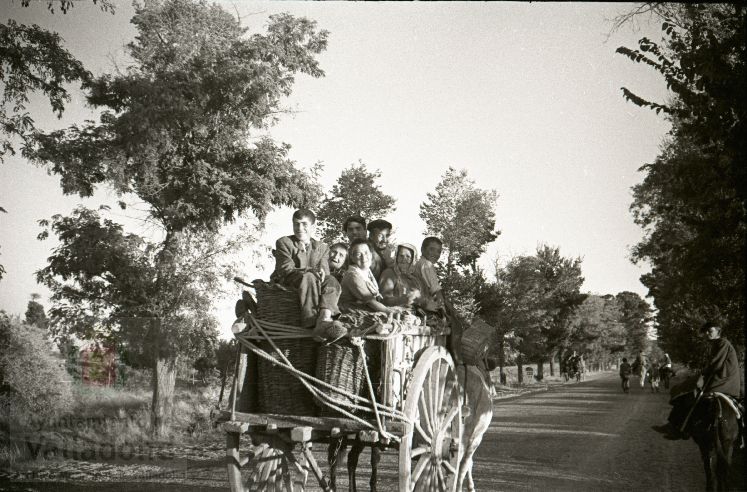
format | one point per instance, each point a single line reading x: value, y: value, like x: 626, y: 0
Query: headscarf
x: 406, y: 275
x: 409, y: 270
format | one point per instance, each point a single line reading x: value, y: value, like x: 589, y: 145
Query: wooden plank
x: 301, y: 434
x: 314, y: 467
x: 318, y: 423
x: 233, y: 426
x: 368, y: 436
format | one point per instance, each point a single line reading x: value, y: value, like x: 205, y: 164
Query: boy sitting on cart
x: 301, y: 262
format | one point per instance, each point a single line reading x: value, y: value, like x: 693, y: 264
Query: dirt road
x: 581, y: 437
x: 586, y: 436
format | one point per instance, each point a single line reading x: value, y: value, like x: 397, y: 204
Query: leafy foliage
x: 533, y: 300
x: 635, y: 316
x: 31, y: 377
x: 596, y: 329
x: 463, y: 216
x: 692, y: 201
x: 35, y: 315
x: 176, y: 128
x: 354, y: 193
x: 32, y: 59
x: 111, y: 286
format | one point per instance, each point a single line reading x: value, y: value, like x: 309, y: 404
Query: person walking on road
x: 625, y: 371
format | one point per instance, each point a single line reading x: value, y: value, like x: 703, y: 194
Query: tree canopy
x: 178, y: 128
x: 462, y: 215
x: 355, y: 193
x: 692, y: 202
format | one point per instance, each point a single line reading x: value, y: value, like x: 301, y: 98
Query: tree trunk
x: 540, y: 370
x: 552, y: 364
x: 164, y: 380
x: 520, y: 372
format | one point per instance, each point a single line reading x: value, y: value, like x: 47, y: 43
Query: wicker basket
x: 476, y: 342
x: 278, y: 390
x: 339, y: 364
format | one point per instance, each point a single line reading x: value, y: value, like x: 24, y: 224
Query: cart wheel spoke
x: 423, y: 409
x: 441, y: 478
x: 450, y: 417
x: 422, y: 433
x: 420, y: 450
x: 448, y: 467
x: 422, y: 463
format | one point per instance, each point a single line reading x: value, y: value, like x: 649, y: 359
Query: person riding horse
x: 721, y: 374
x: 712, y: 416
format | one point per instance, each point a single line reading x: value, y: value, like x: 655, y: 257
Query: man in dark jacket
x: 720, y: 374
x: 301, y: 262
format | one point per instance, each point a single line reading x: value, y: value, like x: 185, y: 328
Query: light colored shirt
x: 426, y: 274
x: 358, y: 288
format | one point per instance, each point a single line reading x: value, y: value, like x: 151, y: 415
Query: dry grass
x: 114, y: 417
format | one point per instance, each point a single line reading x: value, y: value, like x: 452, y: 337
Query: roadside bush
x: 33, y: 381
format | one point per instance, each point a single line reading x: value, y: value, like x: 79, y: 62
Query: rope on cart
x: 267, y: 331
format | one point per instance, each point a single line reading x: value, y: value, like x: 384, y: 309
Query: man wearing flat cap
x: 382, y: 252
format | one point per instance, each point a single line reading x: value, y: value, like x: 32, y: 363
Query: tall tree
x: 355, y: 193
x: 533, y: 301
x: 463, y: 216
x: 635, y: 315
x: 35, y: 314
x: 597, y: 331
x: 180, y: 132
x: 692, y: 203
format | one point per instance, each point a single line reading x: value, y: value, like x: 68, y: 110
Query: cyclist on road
x: 625, y: 371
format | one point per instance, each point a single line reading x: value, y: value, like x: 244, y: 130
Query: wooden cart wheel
x: 273, y: 466
x: 429, y: 452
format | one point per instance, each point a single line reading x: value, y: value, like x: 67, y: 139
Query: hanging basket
x: 476, y: 342
x: 339, y: 364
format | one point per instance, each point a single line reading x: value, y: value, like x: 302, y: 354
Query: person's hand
x: 412, y: 296
x: 699, y: 383
x: 320, y: 275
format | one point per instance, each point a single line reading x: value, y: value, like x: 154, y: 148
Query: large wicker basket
x: 476, y: 341
x: 339, y: 364
x: 278, y: 390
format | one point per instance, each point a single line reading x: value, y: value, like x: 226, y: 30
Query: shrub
x: 33, y: 380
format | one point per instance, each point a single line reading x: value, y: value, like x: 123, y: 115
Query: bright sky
x: 526, y: 97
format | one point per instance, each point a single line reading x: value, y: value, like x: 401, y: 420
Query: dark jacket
x: 721, y: 373
x: 291, y: 262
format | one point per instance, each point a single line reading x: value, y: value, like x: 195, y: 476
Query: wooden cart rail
x: 259, y: 421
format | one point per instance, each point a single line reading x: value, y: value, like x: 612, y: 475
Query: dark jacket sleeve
x: 722, y: 372
x: 285, y: 262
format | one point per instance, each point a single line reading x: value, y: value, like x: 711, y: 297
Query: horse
x: 714, y: 426
x: 477, y: 389
x: 337, y: 446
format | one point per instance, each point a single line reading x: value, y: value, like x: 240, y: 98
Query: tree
x: 692, y: 202
x: 354, y: 193
x: 596, y: 330
x: 176, y: 131
x: 635, y: 315
x: 533, y: 300
x: 463, y: 216
x: 35, y: 314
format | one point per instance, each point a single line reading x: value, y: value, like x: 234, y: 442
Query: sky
x: 525, y: 97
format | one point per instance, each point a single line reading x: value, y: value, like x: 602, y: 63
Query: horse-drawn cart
x: 413, y: 405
